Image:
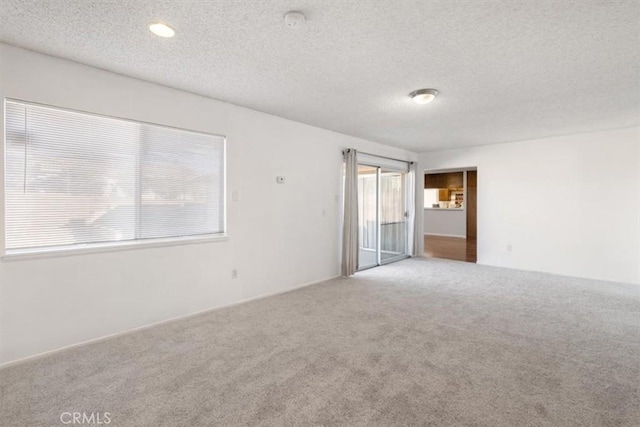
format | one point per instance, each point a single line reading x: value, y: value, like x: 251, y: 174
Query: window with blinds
x: 82, y: 180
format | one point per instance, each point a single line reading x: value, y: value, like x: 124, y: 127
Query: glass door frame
x: 377, y: 222
x: 405, y: 215
x: 378, y: 249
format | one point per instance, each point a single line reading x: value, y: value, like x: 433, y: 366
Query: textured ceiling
x: 507, y: 70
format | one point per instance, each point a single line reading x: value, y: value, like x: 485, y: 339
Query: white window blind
x: 383, y: 162
x: 82, y: 179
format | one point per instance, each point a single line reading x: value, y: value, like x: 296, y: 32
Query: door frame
x: 379, y: 260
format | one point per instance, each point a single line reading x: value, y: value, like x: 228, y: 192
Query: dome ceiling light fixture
x: 423, y: 96
x: 161, y: 29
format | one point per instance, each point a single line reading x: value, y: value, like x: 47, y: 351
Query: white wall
x: 445, y: 222
x: 568, y: 205
x: 278, y: 235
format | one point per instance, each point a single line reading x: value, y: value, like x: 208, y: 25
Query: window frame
x: 89, y: 248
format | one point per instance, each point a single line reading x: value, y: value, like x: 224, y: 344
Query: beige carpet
x: 419, y: 342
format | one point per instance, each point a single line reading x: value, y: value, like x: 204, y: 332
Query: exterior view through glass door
x: 382, y: 215
x: 393, y: 215
x: 367, y: 216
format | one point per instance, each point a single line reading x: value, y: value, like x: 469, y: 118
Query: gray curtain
x: 350, y: 223
x: 414, y: 238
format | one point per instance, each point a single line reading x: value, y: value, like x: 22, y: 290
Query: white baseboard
x: 161, y: 322
x: 445, y: 235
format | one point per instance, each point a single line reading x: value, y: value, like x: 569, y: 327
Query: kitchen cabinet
x: 449, y: 180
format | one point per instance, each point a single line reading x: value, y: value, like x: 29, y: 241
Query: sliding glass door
x: 382, y: 214
x: 367, y: 216
x: 393, y: 215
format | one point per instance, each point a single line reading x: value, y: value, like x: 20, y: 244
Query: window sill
x: 61, y: 251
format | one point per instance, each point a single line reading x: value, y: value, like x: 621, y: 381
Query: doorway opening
x: 382, y: 214
x: 450, y: 214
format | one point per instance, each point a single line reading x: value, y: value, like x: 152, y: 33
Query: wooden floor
x: 455, y: 248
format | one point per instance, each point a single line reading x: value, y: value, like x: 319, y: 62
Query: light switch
x: 280, y: 179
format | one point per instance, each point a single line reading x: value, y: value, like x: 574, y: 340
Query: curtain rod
x: 376, y: 155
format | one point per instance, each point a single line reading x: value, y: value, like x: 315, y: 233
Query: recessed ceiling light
x: 423, y: 96
x: 161, y: 29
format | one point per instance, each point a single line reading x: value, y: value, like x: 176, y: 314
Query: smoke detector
x: 294, y: 19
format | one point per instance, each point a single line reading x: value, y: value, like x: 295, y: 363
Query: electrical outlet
x: 280, y: 179
x: 234, y: 274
